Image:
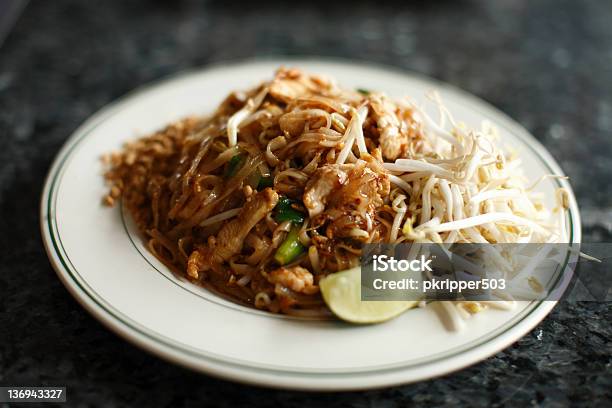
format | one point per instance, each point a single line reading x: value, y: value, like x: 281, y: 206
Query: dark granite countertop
x: 546, y: 63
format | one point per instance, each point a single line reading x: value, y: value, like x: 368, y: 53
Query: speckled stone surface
x: 546, y: 63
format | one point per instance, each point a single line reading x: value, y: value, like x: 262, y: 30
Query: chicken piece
x: 367, y: 185
x: 348, y: 201
x: 320, y: 185
x: 231, y: 237
x: 290, y: 84
x: 360, y: 186
x: 391, y: 139
x: 297, y: 279
x: 287, y: 90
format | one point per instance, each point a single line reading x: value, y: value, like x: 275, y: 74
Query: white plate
x: 101, y: 260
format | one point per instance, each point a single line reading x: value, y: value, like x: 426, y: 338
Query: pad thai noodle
x: 286, y: 182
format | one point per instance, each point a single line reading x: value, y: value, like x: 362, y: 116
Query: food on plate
x: 269, y: 200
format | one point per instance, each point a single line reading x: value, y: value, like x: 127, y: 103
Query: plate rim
x: 492, y: 345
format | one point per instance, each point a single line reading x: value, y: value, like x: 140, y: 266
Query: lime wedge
x: 342, y: 294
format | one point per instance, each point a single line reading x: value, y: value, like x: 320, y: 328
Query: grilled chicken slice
x: 290, y: 84
x: 360, y: 186
x: 346, y: 195
x: 324, y: 181
x: 392, y: 141
x: 231, y: 237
